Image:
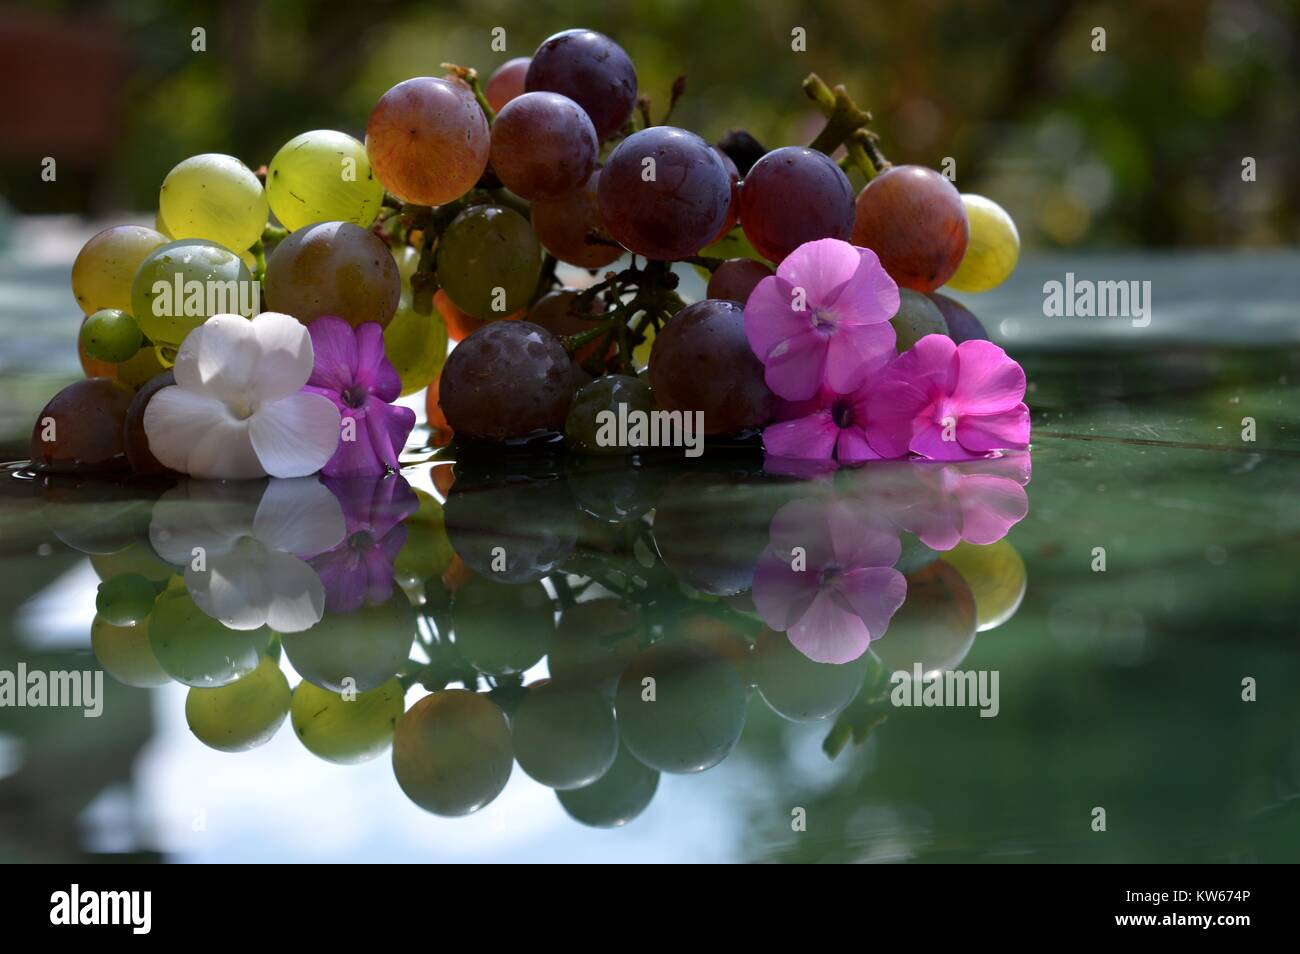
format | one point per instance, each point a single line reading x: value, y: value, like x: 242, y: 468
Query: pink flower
x: 829, y: 426
x: 352, y: 371
x: 947, y: 401
x: 822, y: 318
x: 828, y: 580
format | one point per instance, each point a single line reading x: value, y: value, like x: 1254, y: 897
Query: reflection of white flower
x: 236, y: 410
x: 241, y: 545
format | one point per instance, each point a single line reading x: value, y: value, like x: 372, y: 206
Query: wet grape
x: 197, y: 650
x: 489, y: 261
x: 346, y: 730
x: 794, y: 195
x: 323, y: 176
x: 125, y: 600
x: 917, y: 317
x: 428, y: 140
x: 588, y: 431
x: 215, y: 198
x: 242, y: 715
x: 81, y: 428
x: 112, y: 335
x: 125, y: 654
x: 702, y: 361
x: 563, y: 224
x: 592, y: 70
x: 735, y: 278
x: 664, y: 193
x: 106, y: 265
x: 452, y: 752
x: 564, y: 735
x: 913, y: 218
x: 543, y: 145
x: 509, y: 379
x: 333, y: 268
x: 506, y: 82
x: 211, y: 280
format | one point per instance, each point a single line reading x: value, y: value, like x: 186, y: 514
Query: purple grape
x: 791, y: 196
x: 590, y: 69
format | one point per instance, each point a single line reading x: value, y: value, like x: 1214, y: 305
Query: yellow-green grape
x: 408, y: 260
x: 197, y: 650
x: 111, y: 335
x: 992, y: 249
x: 489, y: 261
x: 135, y: 558
x: 125, y: 654
x: 161, y: 227
x: 996, y: 576
x: 141, y: 368
x: 323, y: 176
x: 416, y: 345
x: 452, y: 753
x: 184, y: 283
x: 917, y: 317
x: 125, y: 600
x: 427, y: 552
x: 343, y: 730
x: 242, y: 715
x: 106, y: 266
x: 358, y: 650
x: 214, y: 197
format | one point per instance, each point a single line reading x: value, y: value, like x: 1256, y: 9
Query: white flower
x: 242, y: 544
x: 236, y: 410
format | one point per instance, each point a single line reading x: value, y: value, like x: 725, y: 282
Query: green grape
x: 242, y: 715
x: 564, y: 735
x: 452, y: 752
x: 588, y: 431
x: 917, y: 317
x: 995, y: 574
x: 197, y: 650
x: 135, y: 558
x: 489, y: 261
x: 214, y: 197
x: 138, y: 370
x: 358, y: 650
x: 415, y: 345
x: 106, y: 265
x: 125, y: 600
x: 617, y: 797
x: 161, y: 227
x: 212, y: 281
x: 112, y: 335
x: 346, y: 730
x: 992, y: 249
x: 323, y: 176
x: 125, y: 654
x: 427, y: 552
x: 408, y: 260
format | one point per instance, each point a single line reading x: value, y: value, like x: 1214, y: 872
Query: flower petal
x: 1004, y: 430
x: 335, y: 346
x: 822, y: 269
x: 830, y: 631
x: 875, y: 593
x: 854, y: 354
x: 930, y: 365
x: 296, y: 435
x: 852, y: 447
x: 299, y: 516
x: 374, y: 371
x: 390, y: 426
x: 770, y: 316
x: 869, y: 296
x: 208, y: 514
x: 194, y: 433
x: 809, y: 438
x: 285, y: 356
x: 990, y: 506
x: 219, y: 358
x: 937, y: 441
x: 233, y: 587
x: 987, y: 379
x: 297, y: 594
x: 892, y: 409
x: 794, y: 367
x: 782, y: 594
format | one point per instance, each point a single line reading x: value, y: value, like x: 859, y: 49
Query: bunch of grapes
x: 454, y: 215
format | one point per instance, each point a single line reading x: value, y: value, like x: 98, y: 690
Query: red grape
x: 506, y: 82
x: 591, y: 69
x: 543, y: 145
x: 791, y: 196
x: 664, y: 193
x: 914, y: 219
x: 735, y: 278
x: 82, y: 427
x: 562, y: 225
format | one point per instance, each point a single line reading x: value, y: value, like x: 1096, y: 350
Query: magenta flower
x: 823, y: 318
x: 352, y: 371
x: 829, y: 426
x: 359, y: 570
x: 828, y: 580
x: 948, y: 401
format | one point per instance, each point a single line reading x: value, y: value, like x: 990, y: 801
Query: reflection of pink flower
x: 829, y: 426
x: 360, y: 569
x: 822, y: 318
x: 949, y: 402
x: 353, y: 372
x: 828, y: 579
x: 944, y: 503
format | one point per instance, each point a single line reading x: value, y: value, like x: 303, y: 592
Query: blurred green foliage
x: 1140, y: 144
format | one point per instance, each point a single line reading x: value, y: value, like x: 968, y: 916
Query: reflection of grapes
x: 333, y: 268
x: 664, y: 193
x: 935, y: 626
x: 506, y: 82
x: 105, y: 266
x: 508, y: 379
x: 591, y: 69
x: 614, y: 489
x: 796, y: 687
x: 794, y: 195
x: 562, y: 225
x: 995, y: 574
x: 917, y: 317
x: 427, y: 140
x: 213, y: 197
x: 322, y: 176
x: 514, y: 533
x: 697, y: 712
x: 165, y: 317
x: 543, y: 145
x: 137, y: 557
x: 993, y: 248
x: 585, y: 429
x: 710, y: 532
x: 242, y: 715
x: 702, y: 361
x: 489, y: 261
x: 125, y: 600
x: 358, y: 650
x: 564, y: 736
x: 617, y: 797
x: 80, y: 429
x: 125, y: 654
x: 735, y: 278
x: 502, y: 629
x: 346, y: 731
x: 452, y: 752
x: 197, y: 650
x: 913, y: 218
x: 594, y: 642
